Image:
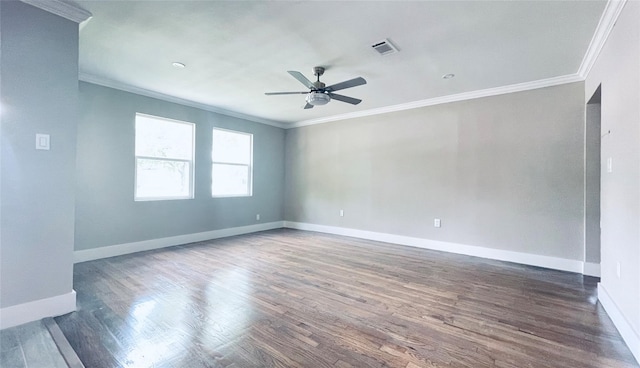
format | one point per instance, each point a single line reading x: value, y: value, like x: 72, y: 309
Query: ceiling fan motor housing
x: 316, y: 98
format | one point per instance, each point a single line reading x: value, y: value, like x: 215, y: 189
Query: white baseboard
x: 120, y: 249
x: 37, y: 310
x: 629, y: 335
x: 555, y: 263
x: 591, y: 269
x: 586, y: 268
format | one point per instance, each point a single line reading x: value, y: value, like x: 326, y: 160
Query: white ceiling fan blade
x: 347, y: 99
x: 285, y: 93
x: 346, y: 84
x: 299, y: 76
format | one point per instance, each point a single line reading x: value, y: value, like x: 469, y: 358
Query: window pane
x: 160, y: 178
x: 163, y: 138
x: 231, y: 147
x: 229, y: 180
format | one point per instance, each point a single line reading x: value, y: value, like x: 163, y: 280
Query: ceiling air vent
x: 384, y: 47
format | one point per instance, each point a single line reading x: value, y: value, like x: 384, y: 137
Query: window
x: 164, y: 158
x: 232, y: 157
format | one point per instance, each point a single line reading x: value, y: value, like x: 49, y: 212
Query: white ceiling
x: 235, y: 51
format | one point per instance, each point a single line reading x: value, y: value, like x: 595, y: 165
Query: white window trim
x: 250, y: 165
x: 192, y: 162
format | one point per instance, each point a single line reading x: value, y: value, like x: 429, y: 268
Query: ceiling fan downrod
x: 318, y: 71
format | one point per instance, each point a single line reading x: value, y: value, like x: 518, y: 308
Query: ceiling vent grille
x: 384, y: 47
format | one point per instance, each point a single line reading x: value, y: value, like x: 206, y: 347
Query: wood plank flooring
x: 29, y: 346
x: 287, y: 298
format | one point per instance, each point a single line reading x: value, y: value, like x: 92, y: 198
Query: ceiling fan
x: 318, y: 93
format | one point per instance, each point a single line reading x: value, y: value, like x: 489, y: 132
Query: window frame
x: 249, y: 166
x: 191, y: 162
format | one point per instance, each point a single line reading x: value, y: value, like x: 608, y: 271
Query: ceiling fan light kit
x: 318, y: 98
x: 318, y: 93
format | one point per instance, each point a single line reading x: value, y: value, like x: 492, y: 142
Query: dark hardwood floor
x: 287, y: 298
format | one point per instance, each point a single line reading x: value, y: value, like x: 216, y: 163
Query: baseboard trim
x: 127, y: 248
x: 586, y: 268
x: 555, y: 263
x: 591, y: 269
x: 629, y: 335
x: 38, y: 309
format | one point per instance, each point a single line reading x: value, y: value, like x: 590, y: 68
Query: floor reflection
x: 164, y: 328
x: 151, y: 338
x: 228, y: 307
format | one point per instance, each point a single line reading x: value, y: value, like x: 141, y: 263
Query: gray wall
x: 39, y: 83
x: 106, y: 213
x: 502, y: 172
x: 618, y: 71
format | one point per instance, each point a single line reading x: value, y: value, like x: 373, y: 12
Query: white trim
x: 126, y: 248
x: 447, y: 99
x: 609, y: 17
x: 563, y: 264
x: 591, y: 269
x: 629, y: 335
x: 37, y: 310
x: 65, y: 9
x: 161, y: 96
x: 555, y: 263
x: 520, y: 87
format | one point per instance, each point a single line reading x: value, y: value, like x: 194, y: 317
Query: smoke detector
x: 384, y: 47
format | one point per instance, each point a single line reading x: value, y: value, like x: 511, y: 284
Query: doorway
x: 593, y: 138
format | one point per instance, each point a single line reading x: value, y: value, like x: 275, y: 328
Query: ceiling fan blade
x: 299, y: 76
x: 308, y: 106
x: 347, y: 99
x: 285, y: 93
x: 346, y: 84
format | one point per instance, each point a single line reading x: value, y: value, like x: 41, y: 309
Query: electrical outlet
x: 258, y: 217
x: 341, y: 213
x: 436, y: 222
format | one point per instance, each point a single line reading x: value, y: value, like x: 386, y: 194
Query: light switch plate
x: 42, y: 142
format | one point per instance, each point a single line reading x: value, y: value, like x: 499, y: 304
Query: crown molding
x: 447, y: 99
x: 161, y: 96
x: 608, y: 20
x: 382, y: 110
x: 63, y: 8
